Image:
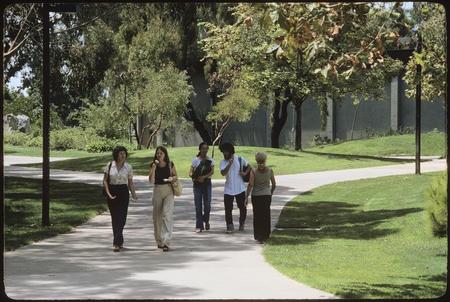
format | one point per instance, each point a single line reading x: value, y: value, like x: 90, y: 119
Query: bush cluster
x: 436, y: 207
x: 65, y: 139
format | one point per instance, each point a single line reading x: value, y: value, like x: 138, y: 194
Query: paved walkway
x: 210, y: 265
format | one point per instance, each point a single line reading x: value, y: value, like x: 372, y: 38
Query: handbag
x: 177, y: 188
x: 107, y: 180
x: 245, y: 178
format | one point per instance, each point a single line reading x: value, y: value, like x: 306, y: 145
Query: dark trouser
x: 202, y: 198
x: 261, y: 216
x: 240, y: 200
x: 118, y: 208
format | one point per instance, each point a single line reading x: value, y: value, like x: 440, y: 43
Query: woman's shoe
x: 165, y: 248
x: 160, y: 246
x: 116, y: 248
x: 198, y: 230
x: 207, y: 226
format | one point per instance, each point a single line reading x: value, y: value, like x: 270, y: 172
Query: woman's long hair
x: 200, y: 147
x: 164, y: 150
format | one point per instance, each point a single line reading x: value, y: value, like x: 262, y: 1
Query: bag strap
x: 240, y: 163
x: 170, y: 168
x: 109, y: 169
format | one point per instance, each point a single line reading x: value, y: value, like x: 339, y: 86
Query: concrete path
x: 209, y: 265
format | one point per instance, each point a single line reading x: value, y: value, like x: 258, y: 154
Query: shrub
x: 16, y: 138
x: 71, y: 138
x: 436, y: 207
x: 320, y: 140
x: 35, y: 142
x: 102, y: 145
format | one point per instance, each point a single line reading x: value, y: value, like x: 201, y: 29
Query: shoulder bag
x: 177, y: 188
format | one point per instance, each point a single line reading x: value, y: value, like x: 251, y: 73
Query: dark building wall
x: 433, y: 113
x: 373, y: 115
x: 370, y: 115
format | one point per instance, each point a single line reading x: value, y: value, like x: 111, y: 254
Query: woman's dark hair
x: 163, y: 149
x: 116, y: 151
x: 227, y: 147
x: 200, y: 147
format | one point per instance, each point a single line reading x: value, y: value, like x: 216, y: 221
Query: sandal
x: 165, y: 248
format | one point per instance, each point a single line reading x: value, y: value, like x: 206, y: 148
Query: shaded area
x: 332, y: 220
x: 71, y: 204
x: 394, y: 291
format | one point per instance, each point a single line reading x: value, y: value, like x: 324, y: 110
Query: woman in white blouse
x: 117, y: 181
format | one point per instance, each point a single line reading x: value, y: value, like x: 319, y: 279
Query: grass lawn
x: 282, y: 161
x: 71, y: 204
x: 432, y: 143
x: 362, y: 239
x: 33, y: 151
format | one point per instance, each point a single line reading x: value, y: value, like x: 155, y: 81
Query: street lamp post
x: 418, y: 103
x: 46, y: 9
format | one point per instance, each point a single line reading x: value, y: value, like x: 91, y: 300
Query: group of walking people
x: 118, y: 181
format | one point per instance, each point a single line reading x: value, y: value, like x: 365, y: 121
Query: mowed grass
x: 282, y: 161
x: 33, y: 151
x: 71, y: 204
x: 362, y: 239
x: 432, y: 143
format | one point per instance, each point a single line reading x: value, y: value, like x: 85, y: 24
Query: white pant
x: 163, y: 202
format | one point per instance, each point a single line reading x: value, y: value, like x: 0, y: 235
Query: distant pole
x: 418, y: 104
x: 46, y: 117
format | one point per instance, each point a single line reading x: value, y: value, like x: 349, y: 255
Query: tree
x: 431, y: 25
x: 318, y: 50
x: 237, y: 105
x: 161, y: 97
x: 21, y: 32
x: 79, y: 48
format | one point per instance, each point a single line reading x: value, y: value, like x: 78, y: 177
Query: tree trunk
x: 189, y: 27
x: 354, y: 119
x: 136, y: 133
x: 279, y: 120
x: 298, y: 125
x: 191, y: 116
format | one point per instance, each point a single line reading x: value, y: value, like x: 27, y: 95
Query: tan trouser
x: 163, y: 213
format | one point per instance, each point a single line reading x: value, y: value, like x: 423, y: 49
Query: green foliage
x: 436, y: 208
x: 156, y: 46
x: 161, y: 97
x: 310, y: 50
x: 371, y: 132
x: 101, y: 146
x: 16, y: 138
x: 433, y: 55
x: 238, y: 105
x: 69, y: 138
x: 107, y: 119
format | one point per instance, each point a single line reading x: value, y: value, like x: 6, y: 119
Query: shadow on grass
x: 304, y: 223
x: 394, y: 291
x: 442, y: 277
x: 357, y: 157
x: 71, y: 204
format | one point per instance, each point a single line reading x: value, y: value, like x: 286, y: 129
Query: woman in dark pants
x: 117, y: 181
x: 259, y: 187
